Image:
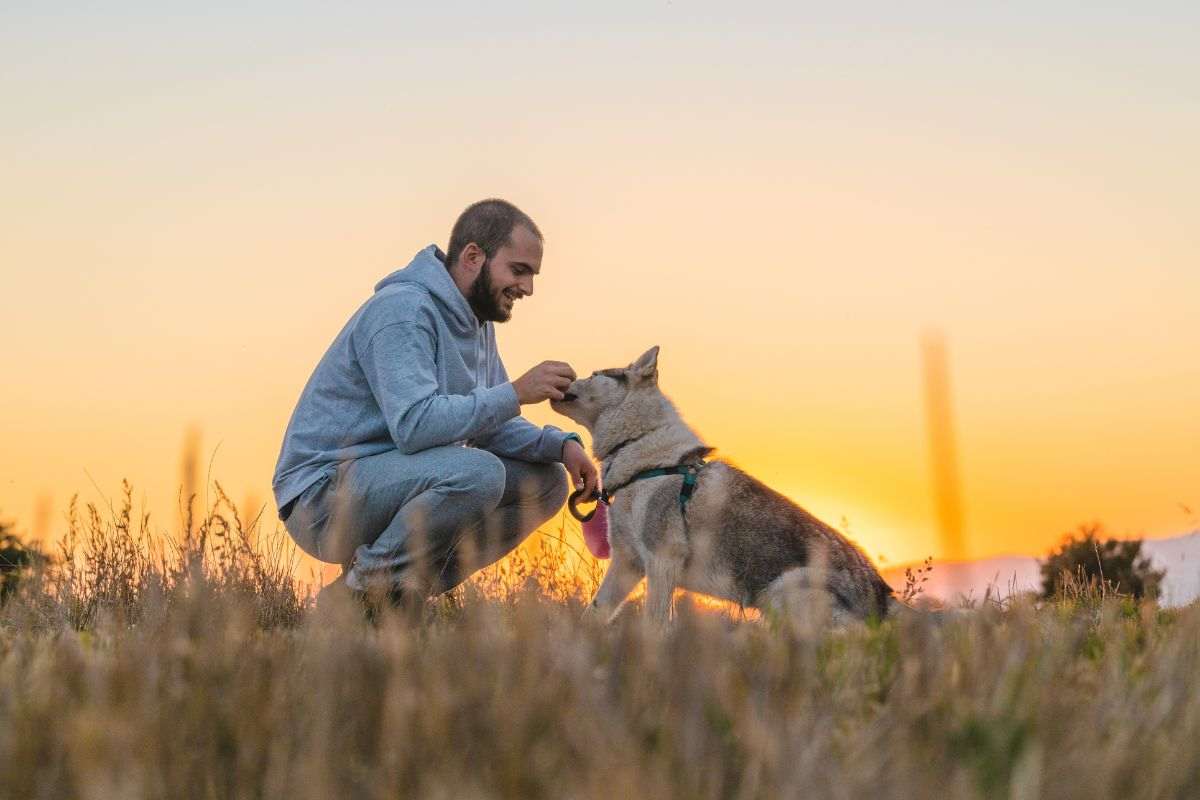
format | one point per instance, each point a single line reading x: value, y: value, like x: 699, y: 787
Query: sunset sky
x: 785, y: 197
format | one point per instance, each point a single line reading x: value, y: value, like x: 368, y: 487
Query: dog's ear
x: 646, y: 367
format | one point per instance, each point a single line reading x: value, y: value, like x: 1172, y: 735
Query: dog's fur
x: 736, y: 539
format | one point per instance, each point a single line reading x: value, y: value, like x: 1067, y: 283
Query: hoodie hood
x: 428, y: 270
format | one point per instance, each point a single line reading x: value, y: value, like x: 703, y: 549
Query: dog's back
x: 762, y: 542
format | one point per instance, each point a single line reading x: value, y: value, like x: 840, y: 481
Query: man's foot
x: 336, y: 592
x: 372, y: 603
x: 403, y: 601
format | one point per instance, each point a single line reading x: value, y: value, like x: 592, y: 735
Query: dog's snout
x: 568, y: 397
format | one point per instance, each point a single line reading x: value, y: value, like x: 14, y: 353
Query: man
x: 407, y: 452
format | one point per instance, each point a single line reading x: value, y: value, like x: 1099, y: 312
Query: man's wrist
x: 570, y: 437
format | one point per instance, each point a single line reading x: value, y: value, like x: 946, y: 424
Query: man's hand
x: 547, y: 381
x: 581, y: 469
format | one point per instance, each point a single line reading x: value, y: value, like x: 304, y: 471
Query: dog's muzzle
x: 568, y: 397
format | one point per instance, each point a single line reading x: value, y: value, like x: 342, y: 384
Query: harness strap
x: 690, y: 473
x: 689, y: 470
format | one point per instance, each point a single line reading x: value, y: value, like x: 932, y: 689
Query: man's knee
x: 554, y: 486
x: 543, y: 489
x: 481, y: 475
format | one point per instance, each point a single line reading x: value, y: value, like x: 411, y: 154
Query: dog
x: 680, y: 520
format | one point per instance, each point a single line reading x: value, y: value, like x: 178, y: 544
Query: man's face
x: 506, y: 277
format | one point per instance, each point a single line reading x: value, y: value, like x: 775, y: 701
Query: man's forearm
x: 442, y: 419
x: 520, y: 438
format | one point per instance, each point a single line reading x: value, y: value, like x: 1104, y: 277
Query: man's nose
x: 526, y: 285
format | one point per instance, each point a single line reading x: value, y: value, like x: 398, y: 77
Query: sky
x: 785, y: 197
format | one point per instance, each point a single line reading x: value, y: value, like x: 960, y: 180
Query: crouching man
x: 406, y: 452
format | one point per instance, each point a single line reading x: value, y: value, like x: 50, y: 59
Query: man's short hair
x: 489, y: 224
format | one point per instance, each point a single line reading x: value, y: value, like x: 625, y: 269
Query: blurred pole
x: 43, y: 511
x: 189, y: 475
x: 947, y: 494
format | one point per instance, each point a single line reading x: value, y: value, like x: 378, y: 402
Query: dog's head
x: 588, y: 398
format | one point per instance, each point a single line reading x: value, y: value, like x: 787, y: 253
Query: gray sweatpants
x: 415, y: 521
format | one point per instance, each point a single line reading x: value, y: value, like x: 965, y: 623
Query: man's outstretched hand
x: 547, y: 381
x: 581, y: 469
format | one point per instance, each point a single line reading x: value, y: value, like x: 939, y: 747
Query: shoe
x: 372, y: 603
x: 336, y: 592
x: 405, y: 602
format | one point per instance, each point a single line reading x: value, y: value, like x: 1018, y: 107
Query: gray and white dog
x: 706, y: 526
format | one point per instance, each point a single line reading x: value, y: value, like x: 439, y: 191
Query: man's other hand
x: 581, y: 469
x: 547, y: 381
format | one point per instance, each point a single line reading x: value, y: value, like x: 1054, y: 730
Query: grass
x: 139, y: 665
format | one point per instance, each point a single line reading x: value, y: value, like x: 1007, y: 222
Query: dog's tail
x: 897, y: 609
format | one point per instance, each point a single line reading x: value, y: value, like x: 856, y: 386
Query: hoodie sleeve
x: 399, y: 364
x: 518, y: 437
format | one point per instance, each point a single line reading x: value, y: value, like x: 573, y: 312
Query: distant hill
x: 1006, y: 575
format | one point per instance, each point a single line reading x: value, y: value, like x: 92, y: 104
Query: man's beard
x: 484, y: 301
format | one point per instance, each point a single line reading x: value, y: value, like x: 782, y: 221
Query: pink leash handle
x: 594, y: 523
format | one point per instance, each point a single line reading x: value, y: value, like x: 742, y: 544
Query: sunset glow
x: 784, y: 203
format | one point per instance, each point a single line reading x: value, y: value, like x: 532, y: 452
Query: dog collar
x: 614, y: 450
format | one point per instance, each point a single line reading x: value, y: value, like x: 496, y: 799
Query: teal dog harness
x: 690, y: 473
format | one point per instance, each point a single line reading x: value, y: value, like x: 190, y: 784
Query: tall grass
x: 196, y: 666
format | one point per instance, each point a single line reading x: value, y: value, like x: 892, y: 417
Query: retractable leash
x: 595, y: 522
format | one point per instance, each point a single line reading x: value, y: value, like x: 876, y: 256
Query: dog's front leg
x: 624, y: 572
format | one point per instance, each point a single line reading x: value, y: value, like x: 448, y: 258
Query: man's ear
x: 646, y: 367
x: 472, y: 259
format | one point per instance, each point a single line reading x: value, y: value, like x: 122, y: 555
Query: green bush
x: 1085, y: 561
x: 15, y: 558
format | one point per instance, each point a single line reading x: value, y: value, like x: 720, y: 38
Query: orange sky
x: 193, y: 208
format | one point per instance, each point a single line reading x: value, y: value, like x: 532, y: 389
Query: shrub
x: 1085, y: 561
x: 16, y: 558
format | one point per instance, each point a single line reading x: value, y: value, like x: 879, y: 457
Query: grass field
x: 138, y: 666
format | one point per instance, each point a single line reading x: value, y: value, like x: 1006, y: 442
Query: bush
x: 16, y: 558
x: 1087, y: 561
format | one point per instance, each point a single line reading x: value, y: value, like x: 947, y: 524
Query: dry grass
x: 140, y: 666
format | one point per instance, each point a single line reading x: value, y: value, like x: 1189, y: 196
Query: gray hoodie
x: 412, y: 369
